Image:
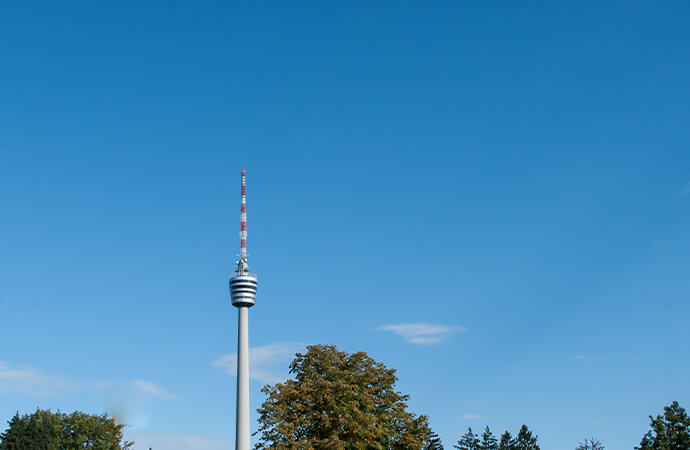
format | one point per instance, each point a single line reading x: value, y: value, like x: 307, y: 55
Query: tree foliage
x: 668, y: 432
x: 338, y: 401
x: 525, y: 440
x: 590, y: 444
x: 506, y: 442
x: 45, y: 430
x: 489, y: 441
x: 434, y: 442
x: 468, y: 441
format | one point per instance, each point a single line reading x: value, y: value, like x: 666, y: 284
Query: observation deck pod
x: 243, y: 289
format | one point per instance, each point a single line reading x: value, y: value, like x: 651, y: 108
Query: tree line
x: 335, y: 401
x: 670, y: 431
x: 525, y: 439
x: 348, y: 401
x: 46, y: 430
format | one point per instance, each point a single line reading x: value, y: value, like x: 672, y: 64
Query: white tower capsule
x: 242, y: 293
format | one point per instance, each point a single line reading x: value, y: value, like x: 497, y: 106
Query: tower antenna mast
x: 242, y: 263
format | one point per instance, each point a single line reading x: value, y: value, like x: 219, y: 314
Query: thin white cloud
x: 34, y: 382
x: 473, y: 416
x: 580, y: 357
x: 422, y: 333
x: 267, y: 363
x: 685, y: 190
x: 152, y: 388
x: 31, y: 381
x: 179, y: 441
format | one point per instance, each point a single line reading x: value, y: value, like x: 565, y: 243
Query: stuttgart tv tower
x: 243, y: 292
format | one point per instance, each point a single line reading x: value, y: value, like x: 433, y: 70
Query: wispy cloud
x: 473, y: 416
x: 579, y: 357
x: 422, y: 333
x: 267, y: 363
x: 152, y: 388
x: 179, y: 441
x: 35, y: 382
x: 127, y: 405
x: 685, y: 190
x: 32, y: 381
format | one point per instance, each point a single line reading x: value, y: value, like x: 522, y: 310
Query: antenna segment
x: 242, y: 265
x: 243, y: 219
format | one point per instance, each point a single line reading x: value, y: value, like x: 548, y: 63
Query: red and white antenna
x: 242, y: 266
x: 243, y: 219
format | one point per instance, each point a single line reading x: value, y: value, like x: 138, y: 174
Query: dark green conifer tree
x: 507, y: 442
x: 434, y: 442
x: 468, y: 441
x: 525, y: 440
x: 40, y: 430
x: 590, y: 444
x: 489, y: 441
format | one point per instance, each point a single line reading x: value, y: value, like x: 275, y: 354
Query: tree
x: 45, y: 430
x: 670, y: 432
x: 489, y: 441
x: 338, y: 401
x: 590, y: 444
x: 434, y: 442
x: 507, y: 442
x: 40, y: 430
x: 468, y: 441
x: 525, y: 440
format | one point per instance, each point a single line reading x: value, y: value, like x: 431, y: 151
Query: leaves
x: 506, y: 442
x: 468, y: 441
x: 489, y: 441
x: 434, y: 442
x: 668, y: 432
x: 338, y: 401
x: 45, y: 430
x: 590, y: 444
x: 525, y: 440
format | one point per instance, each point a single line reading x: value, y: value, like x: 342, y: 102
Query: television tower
x: 242, y: 293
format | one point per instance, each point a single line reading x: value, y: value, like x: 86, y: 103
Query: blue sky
x: 492, y: 198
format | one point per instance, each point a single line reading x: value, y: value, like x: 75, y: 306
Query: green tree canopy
x: 45, y: 430
x: 590, y: 444
x: 669, y: 432
x: 468, y: 441
x: 507, y: 442
x: 489, y: 441
x: 434, y: 442
x: 525, y: 440
x: 338, y: 401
